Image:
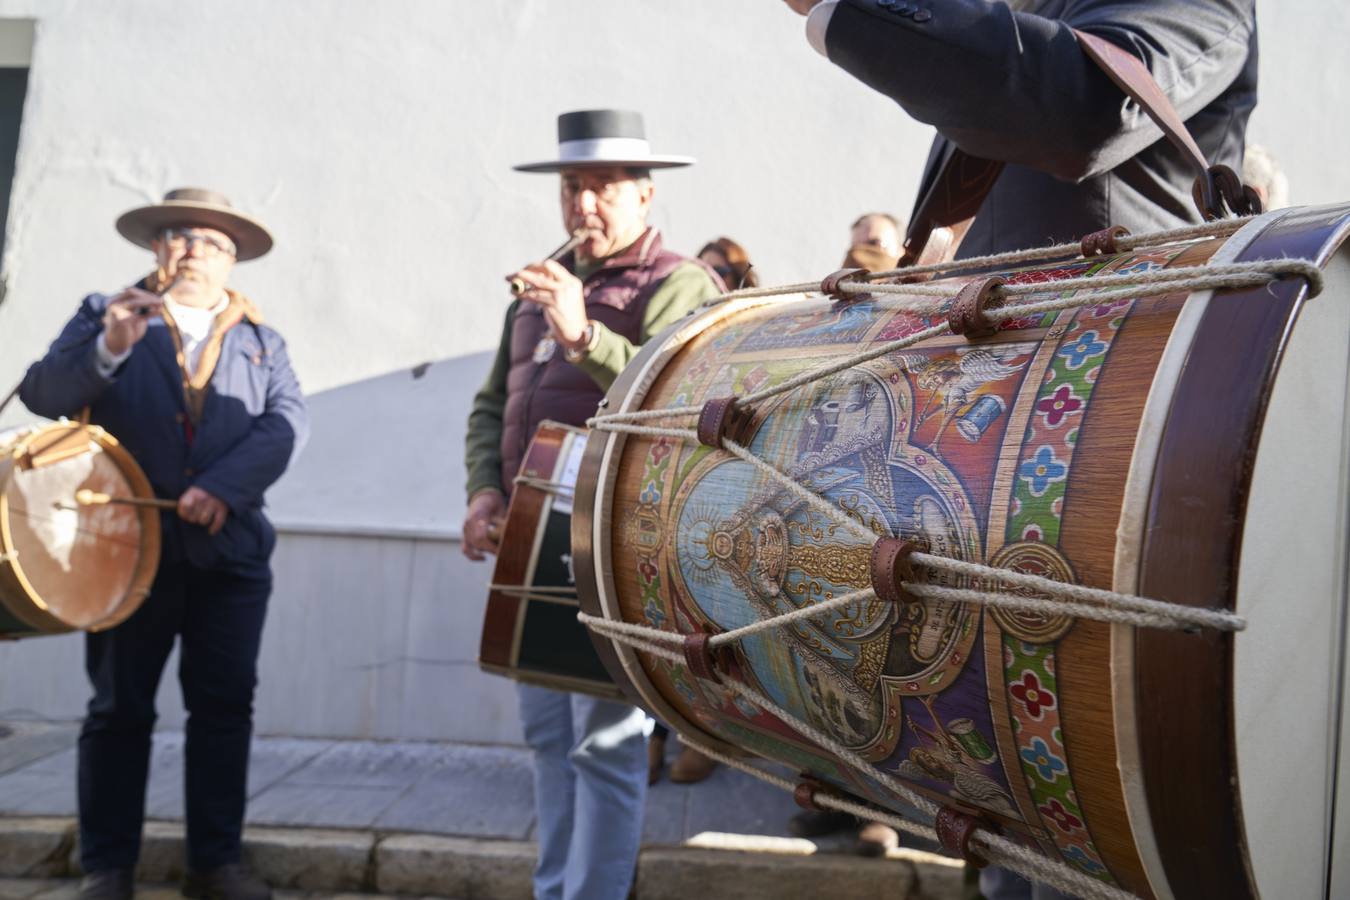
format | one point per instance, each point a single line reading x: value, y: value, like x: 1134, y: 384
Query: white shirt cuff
x: 817, y: 23
x: 106, y: 361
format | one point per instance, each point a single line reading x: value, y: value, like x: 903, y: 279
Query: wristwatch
x: 588, y: 339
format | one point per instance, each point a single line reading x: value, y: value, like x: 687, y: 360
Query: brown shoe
x: 874, y: 839
x: 656, y: 757
x: 691, y: 767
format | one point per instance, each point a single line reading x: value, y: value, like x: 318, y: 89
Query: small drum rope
x: 1087, y: 292
x: 545, y: 485
x: 996, y: 847
x: 1220, y: 228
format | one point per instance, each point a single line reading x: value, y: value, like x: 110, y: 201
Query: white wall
x: 376, y: 139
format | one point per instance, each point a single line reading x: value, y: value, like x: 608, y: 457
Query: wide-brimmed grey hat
x: 196, y: 208
x: 591, y: 138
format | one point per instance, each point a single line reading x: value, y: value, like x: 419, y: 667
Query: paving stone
x: 321, y: 806
x: 668, y: 874
x: 310, y: 859
x: 162, y: 853
x: 28, y: 742
x: 731, y: 801
x: 275, y: 758
x: 477, y: 791
x: 68, y: 890
x: 35, y: 848
x: 454, y: 867
x: 371, y: 764
x: 667, y: 805
x: 24, y: 888
x: 45, y: 787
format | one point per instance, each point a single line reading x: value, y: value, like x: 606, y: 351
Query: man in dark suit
x: 1010, y: 82
x: 184, y: 374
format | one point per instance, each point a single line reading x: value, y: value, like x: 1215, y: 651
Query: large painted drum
x: 1188, y: 447
x: 66, y: 564
x: 530, y: 628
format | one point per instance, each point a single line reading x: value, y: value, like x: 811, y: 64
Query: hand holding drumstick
x: 195, y: 506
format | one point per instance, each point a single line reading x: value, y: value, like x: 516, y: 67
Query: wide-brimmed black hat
x: 591, y: 138
x: 195, y: 208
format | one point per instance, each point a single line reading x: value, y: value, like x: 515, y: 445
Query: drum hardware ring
x: 969, y: 313
x: 718, y: 417
x: 892, y: 568
x: 830, y: 286
x: 955, y: 828
x: 1104, y: 242
x: 808, y: 790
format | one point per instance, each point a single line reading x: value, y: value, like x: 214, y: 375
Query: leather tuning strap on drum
x: 700, y: 657
x: 719, y: 418
x: 1103, y: 243
x: 891, y: 568
x: 1218, y: 191
x: 830, y: 285
x: 954, y: 830
x: 968, y: 314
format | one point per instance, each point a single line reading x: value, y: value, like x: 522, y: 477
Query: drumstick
x: 86, y: 497
x: 518, y: 285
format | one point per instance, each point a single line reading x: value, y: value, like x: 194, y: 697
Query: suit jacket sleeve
x: 483, y: 440
x: 1017, y: 87
x: 252, y: 465
x: 67, y: 378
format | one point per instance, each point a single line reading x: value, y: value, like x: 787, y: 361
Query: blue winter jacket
x: 253, y: 422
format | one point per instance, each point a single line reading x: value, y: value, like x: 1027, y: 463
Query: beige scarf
x: 195, y: 382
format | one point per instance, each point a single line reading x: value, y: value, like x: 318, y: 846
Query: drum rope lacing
x: 544, y: 484
x: 1219, y: 228
x: 988, y: 844
x: 1072, y: 600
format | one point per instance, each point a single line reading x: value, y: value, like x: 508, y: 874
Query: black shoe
x: 234, y: 881
x: 818, y: 823
x: 108, y: 884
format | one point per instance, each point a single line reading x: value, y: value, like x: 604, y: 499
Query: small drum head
x: 83, y: 565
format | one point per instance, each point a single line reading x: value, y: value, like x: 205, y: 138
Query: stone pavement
x: 432, y: 819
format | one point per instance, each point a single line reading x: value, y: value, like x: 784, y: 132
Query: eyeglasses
x: 603, y: 190
x: 182, y: 240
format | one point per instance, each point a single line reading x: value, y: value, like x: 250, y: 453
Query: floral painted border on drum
x: 1036, y: 514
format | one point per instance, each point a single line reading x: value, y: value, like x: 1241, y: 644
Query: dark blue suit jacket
x: 253, y: 422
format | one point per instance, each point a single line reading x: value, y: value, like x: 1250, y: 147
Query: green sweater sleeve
x: 483, y: 443
x: 682, y: 291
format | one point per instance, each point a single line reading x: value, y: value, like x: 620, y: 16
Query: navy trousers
x: 219, y: 618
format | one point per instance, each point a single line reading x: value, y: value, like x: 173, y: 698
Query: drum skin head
x: 75, y: 566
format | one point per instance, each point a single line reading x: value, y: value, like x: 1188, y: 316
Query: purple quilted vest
x: 541, y: 386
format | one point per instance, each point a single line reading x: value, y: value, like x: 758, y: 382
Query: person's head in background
x: 730, y: 261
x: 1263, y: 174
x: 874, y: 242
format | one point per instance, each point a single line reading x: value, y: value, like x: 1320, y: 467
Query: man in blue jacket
x: 184, y: 374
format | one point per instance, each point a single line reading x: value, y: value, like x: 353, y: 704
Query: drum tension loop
x: 807, y: 790
x: 700, y: 657
x: 968, y: 314
x: 829, y: 286
x: 891, y: 567
x: 717, y: 417
x: 954, y: 829
x: 1103, y: 243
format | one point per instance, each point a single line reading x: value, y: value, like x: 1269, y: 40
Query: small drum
x: 530, y: 630
x: 1188, y: 447
x: 65, y: 565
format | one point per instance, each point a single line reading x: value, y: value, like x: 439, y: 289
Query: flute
x: 518, y: 285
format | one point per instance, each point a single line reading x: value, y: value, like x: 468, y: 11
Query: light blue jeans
x: 590, y: 786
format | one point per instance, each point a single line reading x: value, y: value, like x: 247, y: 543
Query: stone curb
x: 312, y: 859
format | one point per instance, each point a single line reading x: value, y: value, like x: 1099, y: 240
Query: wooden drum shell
x: 1164, y: 520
